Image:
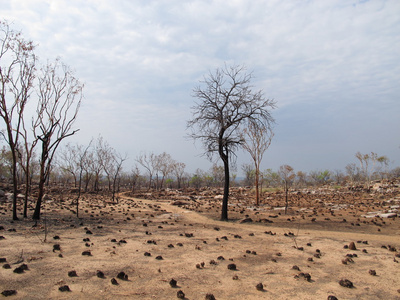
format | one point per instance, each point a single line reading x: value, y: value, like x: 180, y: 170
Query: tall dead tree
x: 17, y: 73
x: 226, y: 105
x: 257, y: 140
x: 59, y: 99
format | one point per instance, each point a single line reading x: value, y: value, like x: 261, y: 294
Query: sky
x: 332, y: 66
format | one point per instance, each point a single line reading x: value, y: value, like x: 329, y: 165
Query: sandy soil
x: 152, y: 242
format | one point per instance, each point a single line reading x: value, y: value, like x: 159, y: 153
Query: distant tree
x: 147, y: 162
x: 338, y: 176
x: 59, y: 99
x: 287, y: 176
x: 134, y: 177
x: 17, y: 73
x: 351, y: 171
x: 81, y: 155
x: 257, y: 141
x: 165, y: 165
x: 249, y: 173
x: 179, y: 172
x: 197, y: 179
x: 116, y: 172
x: 271, y: 178
x: 383, y: 166
x: 226, y: 105
x: 301, y: 178
x: 218, y: 175
x: 69, y: 161
x: 323, y: 176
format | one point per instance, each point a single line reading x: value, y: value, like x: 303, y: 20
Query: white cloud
x: 323, y: 61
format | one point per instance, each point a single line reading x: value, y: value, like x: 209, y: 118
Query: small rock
x: 7, y: 293
x: 232, y: 267
x: 21, y: 269
x: 56, y: 247
x: 180, y: 294
x: 159, y: 257
x: 173, y: 283
x: 64, y: 288
x: 6, y: 266
x: 352, y: 246
x: 210, y: 297
x: 122, y: 276
x: 235, y: 277
x: 346, y: 283
x: 331, y: 297
x: 3, y: 259
x: 114, y: 281
x: 100, y: 274
x: 72, y: 274
x: 260, y: 287
x: 372, y: 272
x: 87, y: 253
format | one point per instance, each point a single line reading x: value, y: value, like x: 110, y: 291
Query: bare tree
x: 116, y: 172
x: 287, y: 175
x: 69, y: 161
x: 257, y: 141
x: 79, y: 161
x: 134, y: 177
x: 96, y: 162
x: 26, y: 154
x: 226, y: 105
x: 179, y: 172
x: 147, y: 162
x: 60, y: 95
x: 17, y: 72
x: 106, y: 156
x: 165, y: 165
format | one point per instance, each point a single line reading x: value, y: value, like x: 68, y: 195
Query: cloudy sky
x: 333, y: 67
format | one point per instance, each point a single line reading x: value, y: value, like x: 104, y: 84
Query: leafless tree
x: 134, y: 177
x: 287, y: 175
x: 59, y: 99
x: 17, y: 73
x: 257, y: 141
x: 96, y: 162
x: 26, y: 155
x: 105, y: 156
x: 179, y: 172
x: 147, y: 161
x: 227, y: 104
x: 165, y: 164
x: 352, y: 172
x: 69, y: 161
x: 74, y: 158
x: 218, y: 175
x: 118, y: 160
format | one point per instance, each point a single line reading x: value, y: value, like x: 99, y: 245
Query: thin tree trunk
x: 15, y: 187
x: 257, y: 190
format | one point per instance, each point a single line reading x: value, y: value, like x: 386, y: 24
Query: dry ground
x: 196, y: 249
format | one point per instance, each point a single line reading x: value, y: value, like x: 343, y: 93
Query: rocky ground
x: 166, y: 245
